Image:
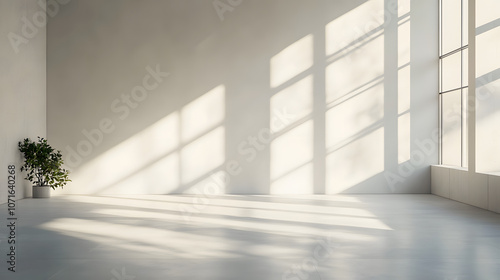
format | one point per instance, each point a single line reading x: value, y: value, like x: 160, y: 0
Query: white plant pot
x: 41, y: 191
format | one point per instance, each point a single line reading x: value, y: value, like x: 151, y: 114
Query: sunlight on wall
x: 349, y: 30
x: 212, y: 183
x: 203, y: 155
x: 488, y: 85
x: 404, y: 89
x: 487, y: 12
x: 152, y: 148
x: 355, y: 97
x: 404, y: 30
x: 292, y: 61
x: 404, y: 81
x: 159, y: 177
x: 299, y: 181
x: 289, y: 153
x: 357, y: 71
x: 203, y: 114
x: 355, y: 162
x: 488, y: 157
x: 297, y: 99
x: 404, y: 7
x: 350, y: 119
x: 346, y: 32
x: 404, y: 130
x: 174, y: 151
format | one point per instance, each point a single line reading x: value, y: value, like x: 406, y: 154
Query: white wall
x: 22, y: 85
x: 358, y: 82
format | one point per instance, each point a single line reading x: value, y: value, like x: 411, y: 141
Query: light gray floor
x: 252, y: 237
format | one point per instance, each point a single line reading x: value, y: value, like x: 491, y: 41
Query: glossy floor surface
x: 251, y: 237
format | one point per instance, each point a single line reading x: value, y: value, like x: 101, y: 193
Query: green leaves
x: 43, y: 164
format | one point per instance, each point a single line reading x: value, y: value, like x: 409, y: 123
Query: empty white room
x: 250, y: 139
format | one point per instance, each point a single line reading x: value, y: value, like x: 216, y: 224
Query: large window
x: 453, y: 81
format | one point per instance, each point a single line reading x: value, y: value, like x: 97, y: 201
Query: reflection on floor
x: 252, y: 237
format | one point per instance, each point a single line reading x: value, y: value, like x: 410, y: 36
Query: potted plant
x: 43, y: 166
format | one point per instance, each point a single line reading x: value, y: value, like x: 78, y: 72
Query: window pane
x: 465, y: 68
x: 465, y: 129
x: 451, y: 74
x: 451, y: 130
x: 440, y: 86
x: 451, y: 21
x: 465, y: 22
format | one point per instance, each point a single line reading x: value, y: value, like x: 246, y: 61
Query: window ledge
x: 453, y: 167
